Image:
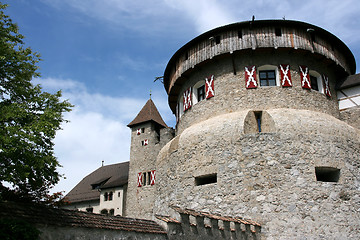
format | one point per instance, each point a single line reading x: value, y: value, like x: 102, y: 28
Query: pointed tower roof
x: 148, y: 113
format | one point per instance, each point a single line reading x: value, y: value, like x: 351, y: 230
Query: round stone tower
x: 258, y: 133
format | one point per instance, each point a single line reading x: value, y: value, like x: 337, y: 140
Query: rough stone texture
x: 140, y: 200
x: 231, y: 94
x: 61, y: 233
x: 351, y: 116
x: 268, y: 177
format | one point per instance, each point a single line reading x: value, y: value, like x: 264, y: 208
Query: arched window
x: 316, y: 81
x: 268, y: 76
x: 105, y: 196
x: 104, y: 211
x: 110, y: 196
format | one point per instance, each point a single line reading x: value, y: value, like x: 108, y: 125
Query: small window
x: 110, y: 197
x: 106, y: 196
x: 142, y: 130
x: 278, y: 32
x: 258, y: 120
x: 148, y: 178
x: 201, y: 93
x: 144, y: 178
x: 240, y: 33
x: 207, y: 179
x: 327, y: 174
x: 90, y: 209
x: 314, y: 83
x: 119, y: 194
x: 217, y: 39
x: 104, y: 211
x: 111, y: 212
x: 267, y: 78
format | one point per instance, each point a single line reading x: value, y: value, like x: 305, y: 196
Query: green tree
x: 29, y: 119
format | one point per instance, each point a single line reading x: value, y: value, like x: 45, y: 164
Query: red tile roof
x: 39, y: 215
x: 148, y: 113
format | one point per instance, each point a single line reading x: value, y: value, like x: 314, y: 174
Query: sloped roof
x: 114, y: 175
x: 350, y: 81
x: 40, y: 214
x: 148, y: 113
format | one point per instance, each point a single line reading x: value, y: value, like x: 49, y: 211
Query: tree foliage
x: 29, y: 118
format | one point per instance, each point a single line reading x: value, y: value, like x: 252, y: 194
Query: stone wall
x: 351, y: 116
x: 231, y: 94
x: 267, y: 177
x: 61, y: 233
x: 140, y: 200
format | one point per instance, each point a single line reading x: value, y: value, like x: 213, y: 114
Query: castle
x: 267, y: 117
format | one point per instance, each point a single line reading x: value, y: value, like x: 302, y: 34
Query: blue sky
x: 105, y: 54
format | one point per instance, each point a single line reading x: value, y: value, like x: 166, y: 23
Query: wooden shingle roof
x: 148, y: 113
x: 108, y: 176
x: 43, y: 215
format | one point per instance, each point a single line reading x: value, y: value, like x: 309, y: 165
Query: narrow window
x: 267, y: 78
x: 240, y: 34
x: 314, y: 83
x: 327, y: 174
x: 142, y: 130
x: 144, y: 178
x: 110, y: 196
x: 105, y: 196
x: 278, y: 32
x: 201, y: 93
x: 258, y: 120
x: 217, y: 39
x: 111, y: 212
x: 119, y: 194
x: 148, y: 178
x: 207, y: 179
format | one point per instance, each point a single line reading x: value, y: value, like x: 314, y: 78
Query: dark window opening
x: 148, y: 178
x: 144, y: 179
x: 217, y: 39
x: 119, y: 194
x: 267, y: 78
x: 312, y: 36
x: 278, y: 32
x: 110, y: 197
x: 207, y: 179
x: 201, y: 93
x: 90, y: 209
x: 314, y: 83
x: 157, y: 130
x: 327, y: 174
x: 240, y: 34
x: 106, y: 196
x: 258, y: 120
x: 111, y: 212
x: 104, y: 211
x: 142, y: 130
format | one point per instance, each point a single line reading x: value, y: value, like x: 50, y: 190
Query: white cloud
x: 97, y: 129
